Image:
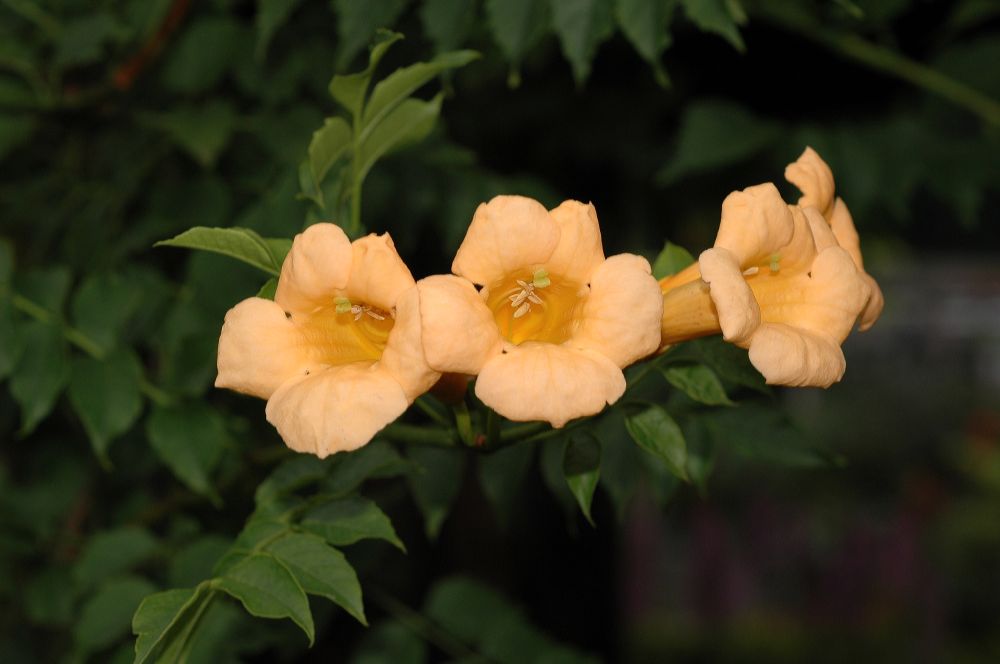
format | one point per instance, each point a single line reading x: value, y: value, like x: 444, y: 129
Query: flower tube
x: 553, y: 322
x: 776, y: 282
x: 337, y: 354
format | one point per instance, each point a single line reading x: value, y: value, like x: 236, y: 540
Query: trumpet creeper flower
x: 337, y: 354
x: 814, y: 179
x: 553, y: 323
x: 776, y: 282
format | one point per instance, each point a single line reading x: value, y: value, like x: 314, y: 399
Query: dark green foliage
x: 133, y: 493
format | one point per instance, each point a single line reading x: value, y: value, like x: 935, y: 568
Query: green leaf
x: 194, y: 562
x: 390, y: 642
x: 321, y: 570
x: 189, y: 439
x: 202, y: 55
x: 501, y: 475
x: 646, y: 24
x: 350, y: 520
x: 671, y: 260
x: 163, y: 623
x: 106, y: 616
x: 517, y: 26
x: 271, y: 15
x: 581, y: 26
x: 329, y: 143
x: 240, y: 243
x: 435, y: 483
x: 40, y: 373
x: 721, y: 17
x: 698, y: 382
x: 293, y: 474
x: 112, y: 552
x: 103, y: 304
x: 10, y: 342
x: 46, y: 600
x: 357, y: 22
x: 349, y: 90
x: 656, y: 432
x: 729, y: 362
x: 15, y: 129
x: 485, y: 620
x: 582, y: 469
x: 448, y: 22
x: 390, y: 92
x: 269, y: 288
x: 715, y: 134
x: 268, y: 589
x: 82, y: 40
x: 374, y: 460
x: 408, y: 123
x: 46, y: 287
x: 201, y: 131
x: 105, y: 395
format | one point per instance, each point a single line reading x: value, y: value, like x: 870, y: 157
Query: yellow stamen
x: 523, y: 313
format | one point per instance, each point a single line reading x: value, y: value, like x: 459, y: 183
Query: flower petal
x: 260, y: 348
x: 540, y: 381
x: 814, y: 179
x: 318, y: 265
x: 756, y: 223
x: 378, y: 275
x: 579, y: 251
x: 458, y: 330
x: 404, y: 357
x: 789, y: 356
x: 506, y: 234
x: 734, y: 302
x: 336, y: 409
x: 622, y: 316
x: 842, y: 225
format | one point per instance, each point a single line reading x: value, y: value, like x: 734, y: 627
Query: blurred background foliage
x: 869, y: 529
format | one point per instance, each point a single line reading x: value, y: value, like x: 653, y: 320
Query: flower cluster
x: 536, y: 312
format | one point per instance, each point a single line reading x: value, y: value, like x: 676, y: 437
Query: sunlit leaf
x: 408, y: 123
x: 349, y: 90
x: 329, y: 143
x: 164, y: 621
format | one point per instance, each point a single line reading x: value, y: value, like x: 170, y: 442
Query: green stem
x: 84, y: 343
x: 424, y: 403
x: 43, y: 315
x: 519, y: 431
x: 492, y: 428
x: 424, y: 628
x: 892, y: 63
x: 417, y: 435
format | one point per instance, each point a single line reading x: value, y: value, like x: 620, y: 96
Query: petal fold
x: 580, y: 250
x: 622, y: 316
x: 734, y: 302
x: 756, y: 223
x: 318, y: 265
x: 404, y: 357
x: 539, y: 381
x: 814, y: 179
x: 788, y: 356
x: 458, y: 331
x: 378, y: 275
x: 335, y: 409
x: 507, y: 234
x: 259, y: 349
